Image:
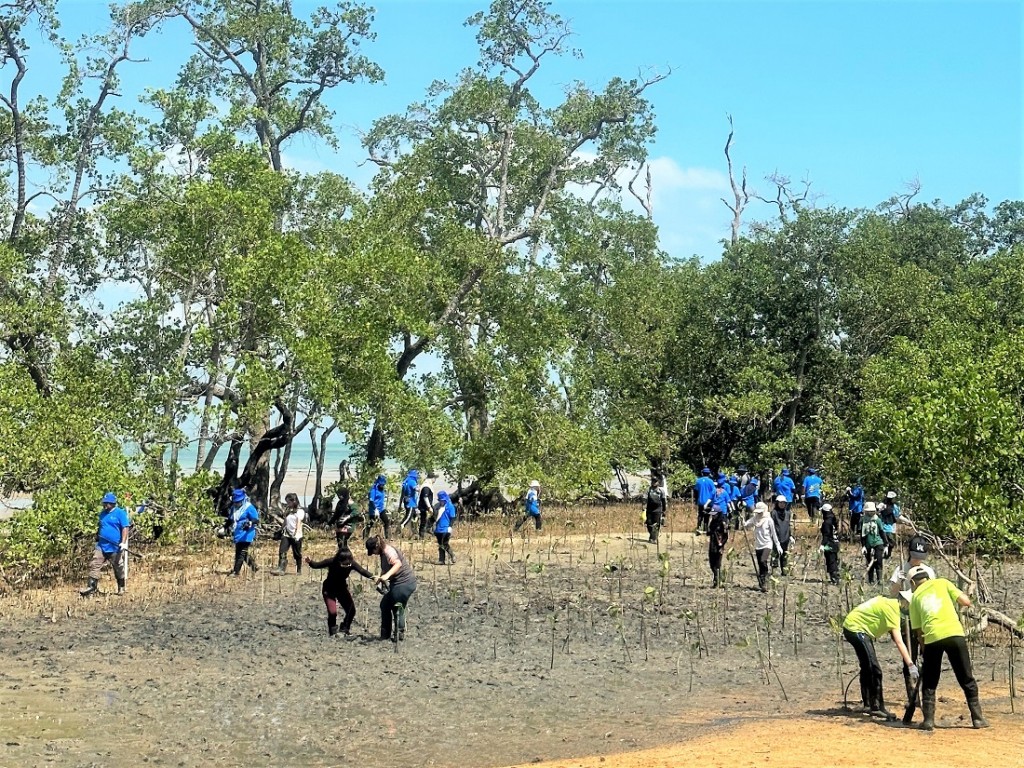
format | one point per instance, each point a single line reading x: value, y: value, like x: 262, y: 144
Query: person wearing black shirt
x: 335, y: 588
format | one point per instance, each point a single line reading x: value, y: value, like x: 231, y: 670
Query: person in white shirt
x: 291, y: 535
x: 765, y: 540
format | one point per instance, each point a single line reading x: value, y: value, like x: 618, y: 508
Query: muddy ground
x: 583, y: 644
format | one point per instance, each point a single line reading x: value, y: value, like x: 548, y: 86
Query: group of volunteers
x: 735, y: 501
x: 396, y: 582
x: 919, y: 612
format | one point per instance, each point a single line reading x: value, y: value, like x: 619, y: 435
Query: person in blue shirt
x: 408, y: 498
x: 855, y: 498
x: 531, y: 507
x: 812, y: 493
x: 244, y: 518
x: 111, y: 544
x: 377, y: 508
x: 749, y: 493
x: 704, y: 489
x: 734, y: 500
x: 443, y: 527
x: 888, y: 514
x: 784, y: 486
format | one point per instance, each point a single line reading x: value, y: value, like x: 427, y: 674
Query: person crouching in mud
x: 399, y: 578
x: 335, y: 588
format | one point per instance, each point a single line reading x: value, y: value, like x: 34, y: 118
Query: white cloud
x: 667, y: 175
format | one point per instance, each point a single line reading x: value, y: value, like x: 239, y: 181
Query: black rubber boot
x: 977, y: 719
x: 928, y: 710
x: 332, y: 630
x: 91, y: 589
x: 715, y: 580
x: 878, y: 706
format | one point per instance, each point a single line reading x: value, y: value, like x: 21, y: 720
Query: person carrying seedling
x: 399, y: 580
x: 862, y: 626
x: 783, y: 520
x: 531, y: 507
x: 934, y: 618
x: 443, y: 527
x: 655, y: 509
x: 243, y: 520
x: 111, y: 544
x: 704, y: 490
x: 872, y: 542
x: 765, y: 541
x: 377, y: 507
x: 830, y: 542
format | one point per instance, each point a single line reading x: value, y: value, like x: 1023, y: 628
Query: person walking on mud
x: 407, y: 503
x: 531, y: 507
x: 425, y: 506
x: 111, y: 545
x: 765, y: 541
x: 830, y: 542
x: 934, y: 618
x: 443, y: 527
x: 655, y: 511
x: 812, y: 493
x: 243, y: 520
x: 861, y: 627
x: 377, y: 507
x: 335, y: 588
x: 399, y: 578
x: 718, y: 536
x: 783, y: 520
x: 872, y: 543
x: 291, y: 535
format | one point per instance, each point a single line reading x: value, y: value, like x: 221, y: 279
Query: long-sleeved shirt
x: 829, y: 534
x: 764, y: 533
x: 339, y: 566
x: 782, y: 522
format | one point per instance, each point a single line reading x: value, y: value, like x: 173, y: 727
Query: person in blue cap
x: 443, y: 527
x: 408, y: 498
x: 111, y: 544
x: 531, y: 506
x: 718, y: 528
x: 855, y: 500
x: 812, y: 493
x: 244, y: 518
x: 377, y: 508
x: 734, y: 499
x: 749, y: 493
x: 704, y: 489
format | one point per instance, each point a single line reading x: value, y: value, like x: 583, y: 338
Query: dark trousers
x: 295, y: 545
x: 764, y: 559
x: 536, y: 521
x: 343, y: 598
x: 385, y: 520
x: 444, y: 546
x: 812, y: 503
x: 718, y: 536
x: 653, y: 521
x: 832, y: 566
x: 243, y: 556
x: 424, y: 514
x: 855, y: 525
x: 870, y: 669
x: 890, y: 543
x: 784, y: 556
x: 955, y: 649
x: 396, y: 594
x: 702, y: 519
x: 873, y: 559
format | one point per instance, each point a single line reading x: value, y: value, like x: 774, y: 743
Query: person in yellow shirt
x: 934, y: 618
x: 863, y: 625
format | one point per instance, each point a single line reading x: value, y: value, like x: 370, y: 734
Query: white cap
x: 906, y: 594
x: 890, y: 495
x: 535, y: 484
x: 761, y: 508
x: 826, y: 507
x: 920, y: 573
x: 869, y: 506
x: 780, y: 497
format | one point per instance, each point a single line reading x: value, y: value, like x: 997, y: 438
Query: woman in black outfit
x: 335, y: 588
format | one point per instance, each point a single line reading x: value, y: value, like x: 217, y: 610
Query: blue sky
x: 859, y: 97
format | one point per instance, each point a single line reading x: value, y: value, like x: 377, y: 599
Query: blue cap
x: 381, y: 480
x: 785, y: 471
x: 706, y: 471
x: 238, y: 495
x: 442, y: 496
x: 812, y: 470
x: 109, y: 498
x: 720, y: 480
x: 734, y: 479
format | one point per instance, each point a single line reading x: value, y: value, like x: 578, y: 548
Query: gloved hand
x: 864, y: 550
x: 248, y: 525
x: 122, y: 547
x: 914, y: 674
x: 823, y: 548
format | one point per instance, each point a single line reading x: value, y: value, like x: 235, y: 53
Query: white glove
x: 863, y: 550
x: 914, y: 674
x: 122, y: 547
